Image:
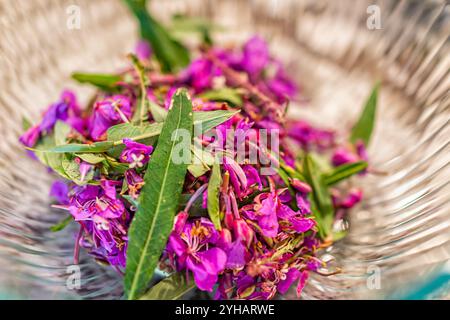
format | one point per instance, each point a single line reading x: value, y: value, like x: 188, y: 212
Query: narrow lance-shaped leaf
x: 213, y: 195
x: 107, y: 82
x: 321, y: 195
x: 158, y: 200
x: 62, y: 224
x: 362, y: 130
x: 171, y: 54
x: 173, y: 287
x: 344, y: 171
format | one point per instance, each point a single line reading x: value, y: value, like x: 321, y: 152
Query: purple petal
x: 284, y: 285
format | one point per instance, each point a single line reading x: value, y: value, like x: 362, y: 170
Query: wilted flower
x: 109, y: 112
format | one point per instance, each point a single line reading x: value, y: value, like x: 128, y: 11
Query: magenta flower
x: 309, y: 137
x: 143, y: 50
x: 31, y: 136
x: 264, y: 211
x: 354, y: 197
x: 342, y: 156
x: 255, y: 56
x: 200, y: 74
x: 193, y: 249
x: 65, y: 109
x: 108, y: 112
x: 60, y: 190
x: 103, y: 217
x: 135, y: 153
x: 281, y: 85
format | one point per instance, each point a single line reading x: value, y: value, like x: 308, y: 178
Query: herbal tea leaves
x: 158, y: 200
x: 171, y: 54
x: 173, y: 287
x: 215, y: 182
x: 362, y: 130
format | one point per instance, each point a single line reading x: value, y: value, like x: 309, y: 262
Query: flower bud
x: 300, y: 186
x: 180, y: 221
x: 243, y: 232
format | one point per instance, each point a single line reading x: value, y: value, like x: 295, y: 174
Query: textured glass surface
x: 401, y: 230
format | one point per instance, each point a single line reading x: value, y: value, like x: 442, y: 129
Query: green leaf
x: 158, y: 112
x: 321, y: 196
x: 173, y: 287
x: 211, y: 119
x: 96, y: 147
x: 214, y: 184
x: 182, y: 24
x: 171, y: 54
x: 62, y: 129
x: 225, y: 94
x: 107, y: 82
x: 62, y: 224
x: 201, y: 161
x: 131, y: 200
x: 344, y: 171
x: 127, y: 130
x: 72, y: 170
x: 362, y: 130
x: 158, y: 200
x: 91, y: 157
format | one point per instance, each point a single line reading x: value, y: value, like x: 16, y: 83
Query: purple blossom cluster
x: 267, y: 239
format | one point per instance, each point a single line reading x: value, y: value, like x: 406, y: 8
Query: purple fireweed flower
x: 281, y: 85
x: 64, y: 109
x: 90, y: 201
x: 31, y: 136
x: 354, y: 197
x: 108, y: 112
x: 288, y: 279
x: 143, y: 50
x: 269, y: 209
x: 255, y: 56
x: 303, y: 203
x: 308, y: 136
x: 265, y: 212
x: 342, y: 156
x: 102, y: 215
x: 134, y: 182
x: 60, y: 190
x: 194, y: 251
x: 135, y: 153
x: 200, y: 74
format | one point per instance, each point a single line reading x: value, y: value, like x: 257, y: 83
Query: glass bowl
x: 336, y: 50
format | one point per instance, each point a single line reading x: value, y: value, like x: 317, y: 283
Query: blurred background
x: 399, y: 241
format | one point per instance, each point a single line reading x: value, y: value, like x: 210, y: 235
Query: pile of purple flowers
x: 270, y: 227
